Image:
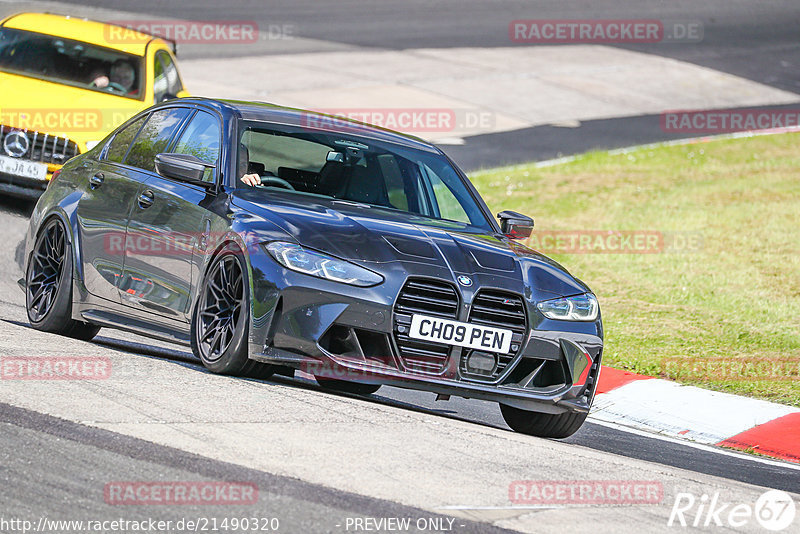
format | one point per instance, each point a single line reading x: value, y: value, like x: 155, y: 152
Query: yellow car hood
x: 81, y: 115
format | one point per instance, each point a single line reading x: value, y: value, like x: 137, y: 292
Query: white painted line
x: 684, y: 411
x: 700, y: 446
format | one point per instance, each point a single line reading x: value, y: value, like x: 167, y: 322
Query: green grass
x: 684, y: 315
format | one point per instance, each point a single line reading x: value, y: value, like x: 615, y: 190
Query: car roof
x: 262, y: 111
x: 85, y: 30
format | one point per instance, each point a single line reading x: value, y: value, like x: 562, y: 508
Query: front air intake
x: 425, y: 297
x: 499, y: 310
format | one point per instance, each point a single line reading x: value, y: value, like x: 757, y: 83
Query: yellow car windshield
x: 71, y: 62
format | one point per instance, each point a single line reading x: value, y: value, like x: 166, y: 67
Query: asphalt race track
x: 321, y: 459
x: 62, y: 444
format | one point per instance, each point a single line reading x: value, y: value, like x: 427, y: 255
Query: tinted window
x: 155, y: 137
x: 201, y: 139
x: 171, y: 72
x: 395, y: 185
x: 119, y: 145
x: 445, y: 189
x: 70, y: 62
x: 159, y: 81
x: 414, y: 184
x: 166, y: 81
x: 273, y: 150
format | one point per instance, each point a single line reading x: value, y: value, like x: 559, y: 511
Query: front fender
x: 66, y: 210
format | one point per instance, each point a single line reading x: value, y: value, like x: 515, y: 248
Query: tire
x: 221, y: 318
x: 344, y: 386
x: 544, y: 425
x: 48, y: 285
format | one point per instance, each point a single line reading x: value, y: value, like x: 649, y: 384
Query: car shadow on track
x: 17, y: 206
x: 189, y: 360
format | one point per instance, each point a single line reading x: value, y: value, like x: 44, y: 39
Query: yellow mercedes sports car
x: 65, y: 83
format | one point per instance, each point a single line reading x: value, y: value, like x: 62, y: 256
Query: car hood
x: 57, y: 109
x: 382, y: 239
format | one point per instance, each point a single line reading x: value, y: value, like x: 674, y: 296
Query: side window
x: 201, y: 139
x: 155, y: 137
x: 270, y: 152
x: 449, y: 206
x: 118, y: 146
x: 395, y: 185
x: 166, y: 81
x: 173, y: 79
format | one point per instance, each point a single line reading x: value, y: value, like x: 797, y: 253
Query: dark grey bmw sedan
x: 273, y: 240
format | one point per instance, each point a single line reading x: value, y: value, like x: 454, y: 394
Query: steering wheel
x: 117, y: 87
x: 275, y: 181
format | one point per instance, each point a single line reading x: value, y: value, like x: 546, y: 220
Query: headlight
x: 305, y: 261
x: 579, y: 308
x: 91, y: 144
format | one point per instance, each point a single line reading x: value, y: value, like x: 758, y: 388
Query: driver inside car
x: 122, y: 75
x: 248, y: 178
x: 254, y: 173
x: 251, y: 179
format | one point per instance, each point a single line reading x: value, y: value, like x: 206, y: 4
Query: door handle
x: 146, y: 199
x: 96, y: 180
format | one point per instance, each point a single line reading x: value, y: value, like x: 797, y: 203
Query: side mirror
x: 168, y: 96
x: 515, y: 225
x: 183, y: 167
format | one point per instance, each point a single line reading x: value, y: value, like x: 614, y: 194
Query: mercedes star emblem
x: 16, y: 144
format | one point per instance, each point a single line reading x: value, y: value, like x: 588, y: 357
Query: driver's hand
x: 100, y: 82
x: 251, y: 179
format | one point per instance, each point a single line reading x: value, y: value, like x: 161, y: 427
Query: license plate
x: 462, y: 334
x: 23, y: 167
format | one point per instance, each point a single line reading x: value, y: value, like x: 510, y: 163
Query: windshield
x: 385, y: 176
x: 70, y: 62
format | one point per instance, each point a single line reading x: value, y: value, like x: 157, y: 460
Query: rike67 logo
x: 774, y: 510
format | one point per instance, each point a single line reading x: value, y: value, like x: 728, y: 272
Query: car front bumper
x: 334, y: 331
